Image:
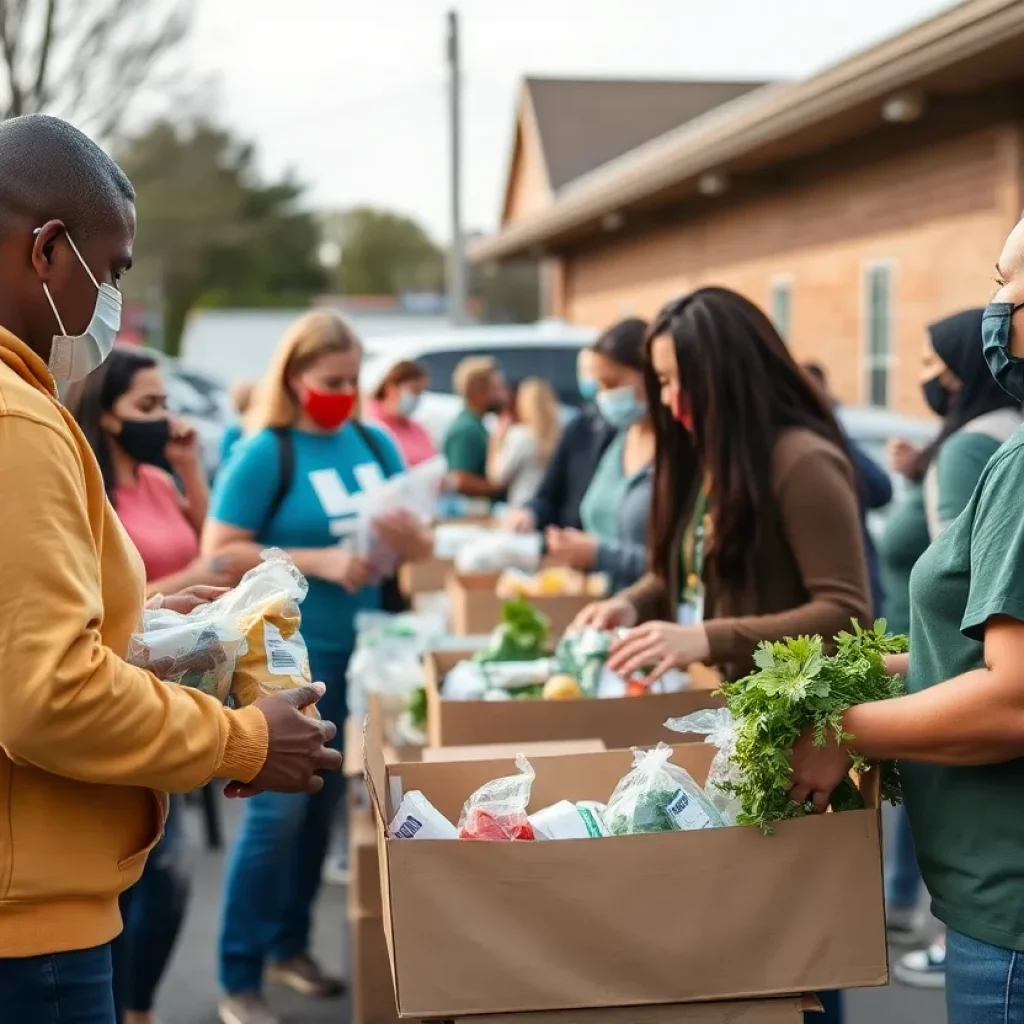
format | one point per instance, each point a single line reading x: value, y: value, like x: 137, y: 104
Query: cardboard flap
x: 870, y: 785
x: 375, y: 766
x: 766, y: 1011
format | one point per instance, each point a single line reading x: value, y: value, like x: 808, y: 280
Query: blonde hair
x: 471, y: 373
x: 311, y: 337
x: 537, y: 408
x: 242, y: 395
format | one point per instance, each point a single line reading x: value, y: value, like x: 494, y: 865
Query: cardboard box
x: 765, y: 1011
x: 427, y: 577
x: 499, y: 751
x: 363, y: 864
x: 616, y: 721
x: 373, y: 991
x: 713, y: 916
x: 476, y: 607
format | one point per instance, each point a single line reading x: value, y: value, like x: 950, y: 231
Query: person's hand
x: 336, y: 565
x: 612, y: 613
x: 573, y: 548
x: 403, y: 533
x: 660, y: 646
x: 902, y: 455
x: 296, y: 746
x: 519, y: 520
x: 183, y: 448
x: 897, y: 664
x: 186, y: 600
x: 816, y: 771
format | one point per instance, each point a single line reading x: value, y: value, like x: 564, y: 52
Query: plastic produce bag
x: 495, y: 551
x: 497, y: 811
x: 719, y: 729
x: 416, y: 491
x: 584, y: 655
x: 246, y: 644
x: 658, y: 796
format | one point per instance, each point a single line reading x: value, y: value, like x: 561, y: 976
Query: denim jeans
x: 273, y: 873
x: 902, y: 875
x: 984, y: 984
x: 58, y: 988
x: 153, y: 911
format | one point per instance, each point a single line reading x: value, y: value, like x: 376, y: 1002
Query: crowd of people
x: 706, y: 475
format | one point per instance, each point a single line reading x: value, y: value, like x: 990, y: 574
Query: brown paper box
x: 499, y: 751
x: 476, y: 607
x: 617, y: 722
x: 426, y: 577
x: 718, y: 915
x: 373, y: 991
x: 763, y: 1011
x: 364, y: 865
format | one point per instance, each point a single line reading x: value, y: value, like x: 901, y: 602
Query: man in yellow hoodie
x: 88, y: 743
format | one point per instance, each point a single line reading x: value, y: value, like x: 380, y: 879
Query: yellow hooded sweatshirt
x: 88, y: 743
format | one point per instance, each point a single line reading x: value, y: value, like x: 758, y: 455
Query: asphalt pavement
x: 189, y: 992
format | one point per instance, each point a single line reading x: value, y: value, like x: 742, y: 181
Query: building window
x: 781, y: 304
x: 878, y: 333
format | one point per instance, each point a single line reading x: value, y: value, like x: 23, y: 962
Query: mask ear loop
x: 46, y: 287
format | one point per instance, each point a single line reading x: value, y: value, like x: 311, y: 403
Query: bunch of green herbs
x: 796, y: 687
x: 522, y: 634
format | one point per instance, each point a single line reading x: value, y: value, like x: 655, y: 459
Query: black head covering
x: 956, y: 340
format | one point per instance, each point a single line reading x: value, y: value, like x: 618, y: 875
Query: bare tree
x: 85, y: 60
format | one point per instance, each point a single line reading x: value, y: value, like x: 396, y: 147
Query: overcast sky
x: 351, y: 93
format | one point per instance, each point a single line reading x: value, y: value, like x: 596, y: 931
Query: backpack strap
x: 370, y: 440
x: 285, y: 472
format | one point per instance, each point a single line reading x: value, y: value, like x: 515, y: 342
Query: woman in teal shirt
x: 299, y: 482
x: 616, y: 506
x: 959, y: 734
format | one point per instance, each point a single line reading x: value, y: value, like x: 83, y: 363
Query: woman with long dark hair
x: 122, y: 410
x: 755, y: 528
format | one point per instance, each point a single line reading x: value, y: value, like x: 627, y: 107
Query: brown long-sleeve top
x: 809, y: 570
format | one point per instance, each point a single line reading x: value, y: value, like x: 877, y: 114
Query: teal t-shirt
x: 465, y: 445
x: 330, y: 472
x: 968, y: 822
x: 600, y: 507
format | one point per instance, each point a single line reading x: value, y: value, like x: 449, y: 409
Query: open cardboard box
x: 616, y: 721
x: 714, y: 916
x: 427, y: 577
x: 476, y: 607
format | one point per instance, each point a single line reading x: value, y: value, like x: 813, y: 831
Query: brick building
x: 856, y: 206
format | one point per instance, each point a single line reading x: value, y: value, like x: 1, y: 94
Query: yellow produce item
x: 561, y: 688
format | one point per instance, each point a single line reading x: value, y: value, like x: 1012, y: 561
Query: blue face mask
x: 620, y: 407
x: 587, y: 388
x: 996, y: 330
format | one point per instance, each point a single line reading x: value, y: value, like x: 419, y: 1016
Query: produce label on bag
x: 687, y: 813
x: 284, y: 657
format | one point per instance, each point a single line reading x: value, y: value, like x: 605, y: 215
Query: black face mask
x: 938, y: 396
x: 146, y: 441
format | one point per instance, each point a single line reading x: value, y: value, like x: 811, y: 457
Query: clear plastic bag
x: 658, y: 796
x: 496, y: 551
x: 718, y: 727
x: 497, y: 811
x: 246, y: 644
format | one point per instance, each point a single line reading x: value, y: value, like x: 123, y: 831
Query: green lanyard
x: 693, y: 550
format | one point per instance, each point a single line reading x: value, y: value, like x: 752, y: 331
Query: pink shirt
x: 150, y: 511
x: 413, y: 441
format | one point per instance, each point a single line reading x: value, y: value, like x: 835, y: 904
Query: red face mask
x: 328, y: 409
x: 683, y: 413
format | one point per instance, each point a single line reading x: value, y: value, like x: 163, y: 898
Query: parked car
x: 547, y: 349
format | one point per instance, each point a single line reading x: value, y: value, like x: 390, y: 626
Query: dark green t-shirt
x: 968, y: 823
x: 465, y: 445
x: 903, y: 542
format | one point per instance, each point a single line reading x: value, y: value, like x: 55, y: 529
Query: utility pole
x: 457, y: 251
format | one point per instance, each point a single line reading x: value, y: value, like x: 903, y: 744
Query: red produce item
x: 496, y: 812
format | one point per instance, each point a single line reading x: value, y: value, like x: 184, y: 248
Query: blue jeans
x: 58, y: 988
x: 984, y: 984
x: 902, y: 875
x: 153, y: 911
x: 273, y: 874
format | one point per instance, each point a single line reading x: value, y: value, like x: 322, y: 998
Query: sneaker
x: 903, y: 927
x: 304, y: 975
x: 923, y: 968
x: 246, y: 1009
x: 336, y: 870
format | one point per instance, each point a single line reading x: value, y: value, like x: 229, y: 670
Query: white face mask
x: 408, y: 402
x: 76, y: 356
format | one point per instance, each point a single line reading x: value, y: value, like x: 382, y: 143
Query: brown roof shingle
x: 584, y: 123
